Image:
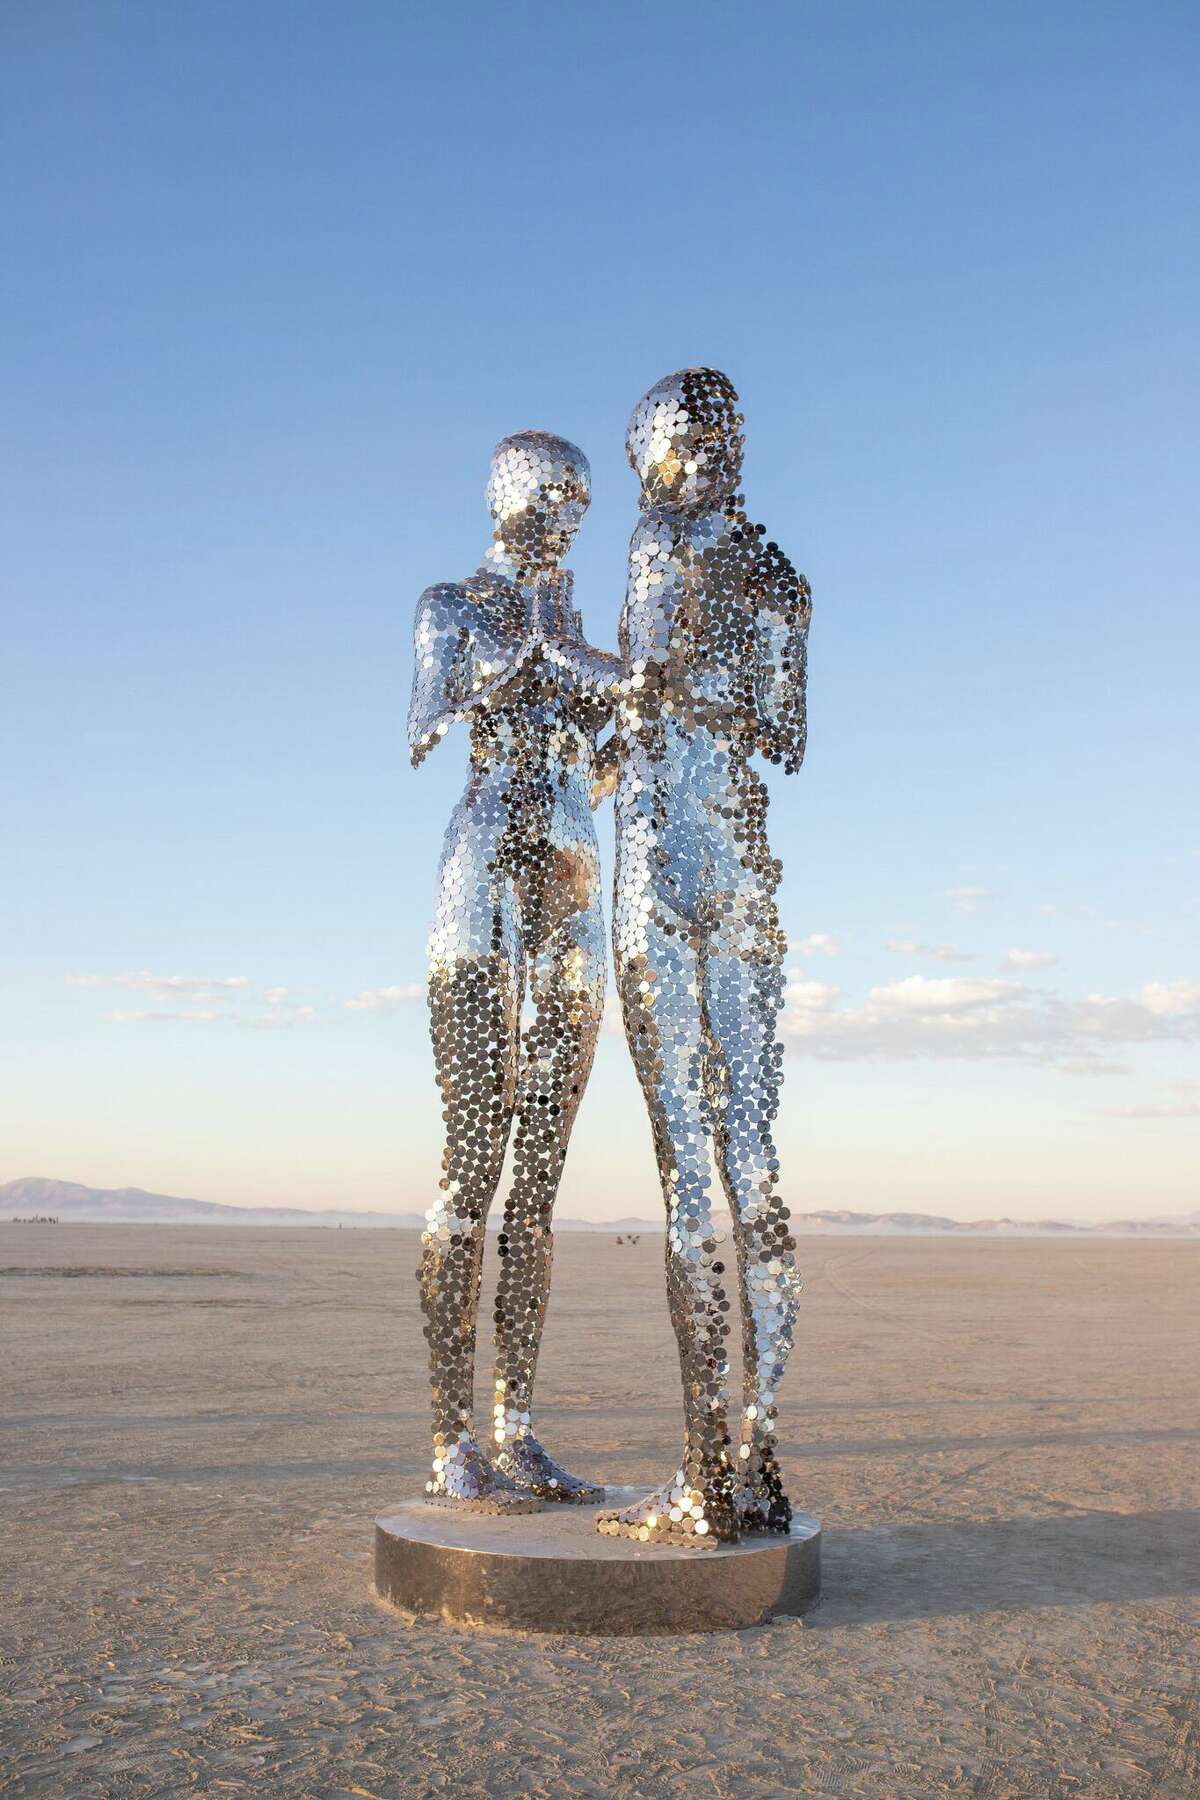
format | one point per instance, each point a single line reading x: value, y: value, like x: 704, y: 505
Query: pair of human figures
x: 710, y: 672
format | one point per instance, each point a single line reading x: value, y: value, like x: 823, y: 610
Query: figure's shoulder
x: 654, y: 532
x: 488, y: 584
x: 439, y: 615
x: 667, y: 535
x: 441, y: 599
x: 723, y: 525
x: 457, y: 603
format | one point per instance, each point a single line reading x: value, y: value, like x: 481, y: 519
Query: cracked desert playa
x: 199, y: 1425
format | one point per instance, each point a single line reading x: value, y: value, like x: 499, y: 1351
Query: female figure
x: 518, y: 917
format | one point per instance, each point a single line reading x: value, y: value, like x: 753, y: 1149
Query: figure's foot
x: 464, y: 1479
x: 760, y: 1500
x: 678, y: 1513
x: 533, y: 1469
x: 762, y: 1504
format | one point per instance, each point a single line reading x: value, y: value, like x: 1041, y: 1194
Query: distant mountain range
x: 908, y: 1224
x: 73, y: 1203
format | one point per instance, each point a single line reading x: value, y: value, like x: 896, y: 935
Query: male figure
x: 518, y: 913
x: 714, y: 632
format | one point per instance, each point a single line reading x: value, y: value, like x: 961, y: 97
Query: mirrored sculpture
x: 713, y: 638
x: 519, y: 919
x: 710, y: 675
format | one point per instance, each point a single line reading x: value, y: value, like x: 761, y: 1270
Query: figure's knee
x: 451, y: 1252
x: 463, y: 976
x: 574, y: 992
x: 524, y: 1242
x: 474, y: 1021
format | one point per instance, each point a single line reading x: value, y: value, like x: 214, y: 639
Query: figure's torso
x: 690, y: 610
x: 540, y: 737
x: 525, y: 816
x: 690, y: 808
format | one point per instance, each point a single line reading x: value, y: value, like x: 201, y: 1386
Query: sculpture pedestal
x: 553, y: 1571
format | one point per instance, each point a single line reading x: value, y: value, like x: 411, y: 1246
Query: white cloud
x: 938, y: 952
x: 809, y: 996
x: 819, y: 943
x: 967, y: 898
x: 1166, y: 999
x: 1187, y: 1106
x: 203, y: 991
x: 279, y: 1018
x: 195, y: 985
x: 960, y: 1017
x: 1029, y: 959
x: 124, y: 1016
x: 938, y: 993
x: 383, y: 999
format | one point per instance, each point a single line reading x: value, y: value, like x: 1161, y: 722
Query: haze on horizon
x: 273, y: 308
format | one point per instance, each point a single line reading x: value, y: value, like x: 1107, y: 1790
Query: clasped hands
x: 550, y: 608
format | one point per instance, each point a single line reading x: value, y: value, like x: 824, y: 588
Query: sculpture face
x: 684, y: 441
x: 537, y: 493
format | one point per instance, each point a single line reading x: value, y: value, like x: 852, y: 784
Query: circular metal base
x: 553, y: 1571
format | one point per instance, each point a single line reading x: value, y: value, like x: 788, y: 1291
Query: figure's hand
x: 500, y: 689
x: 604, y: 774
x: 603, y: 786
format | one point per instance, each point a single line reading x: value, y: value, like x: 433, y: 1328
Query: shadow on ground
x: 927, y: 1571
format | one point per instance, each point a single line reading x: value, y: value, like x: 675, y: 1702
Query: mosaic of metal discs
x: 519, y: 929
x: 711, y: 672
x: 713, y: 636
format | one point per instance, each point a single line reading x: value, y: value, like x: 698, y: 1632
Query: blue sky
x: 279, y: 278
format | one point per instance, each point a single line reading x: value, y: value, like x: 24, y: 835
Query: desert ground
x: 199, y: 1424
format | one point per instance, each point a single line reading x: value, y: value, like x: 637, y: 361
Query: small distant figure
x: 620, y: 1240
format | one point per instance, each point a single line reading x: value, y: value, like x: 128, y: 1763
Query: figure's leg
x: 743, y: 994
x: 658, y: 975
x: 474, y: 1003
x: 567, y: 992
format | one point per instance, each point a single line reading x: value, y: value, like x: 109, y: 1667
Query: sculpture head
x: 538, y: 490
x: 684, y: 441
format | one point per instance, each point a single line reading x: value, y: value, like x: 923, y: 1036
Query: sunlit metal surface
x: 711, y: 673
x: 555, y: 1574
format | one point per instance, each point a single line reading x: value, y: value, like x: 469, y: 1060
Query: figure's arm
x: 784, y: 608
x: 558, y: 628
x: 652, y: 600
x: 596, y: 673
x: 460, y: 664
